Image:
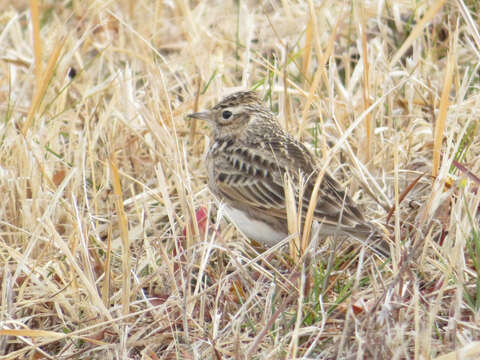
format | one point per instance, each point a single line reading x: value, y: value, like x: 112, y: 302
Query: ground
x: 112, y: 246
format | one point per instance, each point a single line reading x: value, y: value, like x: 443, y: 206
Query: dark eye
x: 226, y: 114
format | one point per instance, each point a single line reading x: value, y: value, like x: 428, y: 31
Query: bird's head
x: 231, y: 115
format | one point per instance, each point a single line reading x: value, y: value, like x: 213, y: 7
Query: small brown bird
x: 247, y: 163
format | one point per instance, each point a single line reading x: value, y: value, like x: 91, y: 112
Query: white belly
x: 254, y: 229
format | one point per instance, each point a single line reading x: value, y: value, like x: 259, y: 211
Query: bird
x: 247, y: 162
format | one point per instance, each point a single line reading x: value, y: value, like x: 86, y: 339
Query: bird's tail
x: 373, y: 237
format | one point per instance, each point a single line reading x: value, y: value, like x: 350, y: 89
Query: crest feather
x: 239, y: 98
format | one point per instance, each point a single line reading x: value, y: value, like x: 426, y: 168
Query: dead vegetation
x: 111, y: 245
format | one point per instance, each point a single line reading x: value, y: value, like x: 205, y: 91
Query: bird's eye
x: 226, y: 114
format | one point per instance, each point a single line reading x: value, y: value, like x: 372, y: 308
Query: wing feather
x: 250, y: 175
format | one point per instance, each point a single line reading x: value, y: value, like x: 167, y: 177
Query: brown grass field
x: 112, y: 246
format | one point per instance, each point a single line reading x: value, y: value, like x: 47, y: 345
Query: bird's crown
x: 239, y: 98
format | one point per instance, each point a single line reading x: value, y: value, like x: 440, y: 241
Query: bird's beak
x: 205, y: 115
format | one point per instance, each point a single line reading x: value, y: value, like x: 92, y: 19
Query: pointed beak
x: 205, y: 115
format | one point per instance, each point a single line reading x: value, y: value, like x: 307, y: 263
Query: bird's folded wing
x: 251, y: 180
x: 332, y: 203
x: 257, y: 192
x: 254, y: 180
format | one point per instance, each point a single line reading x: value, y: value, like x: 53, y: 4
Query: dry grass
x: 103, y: 179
